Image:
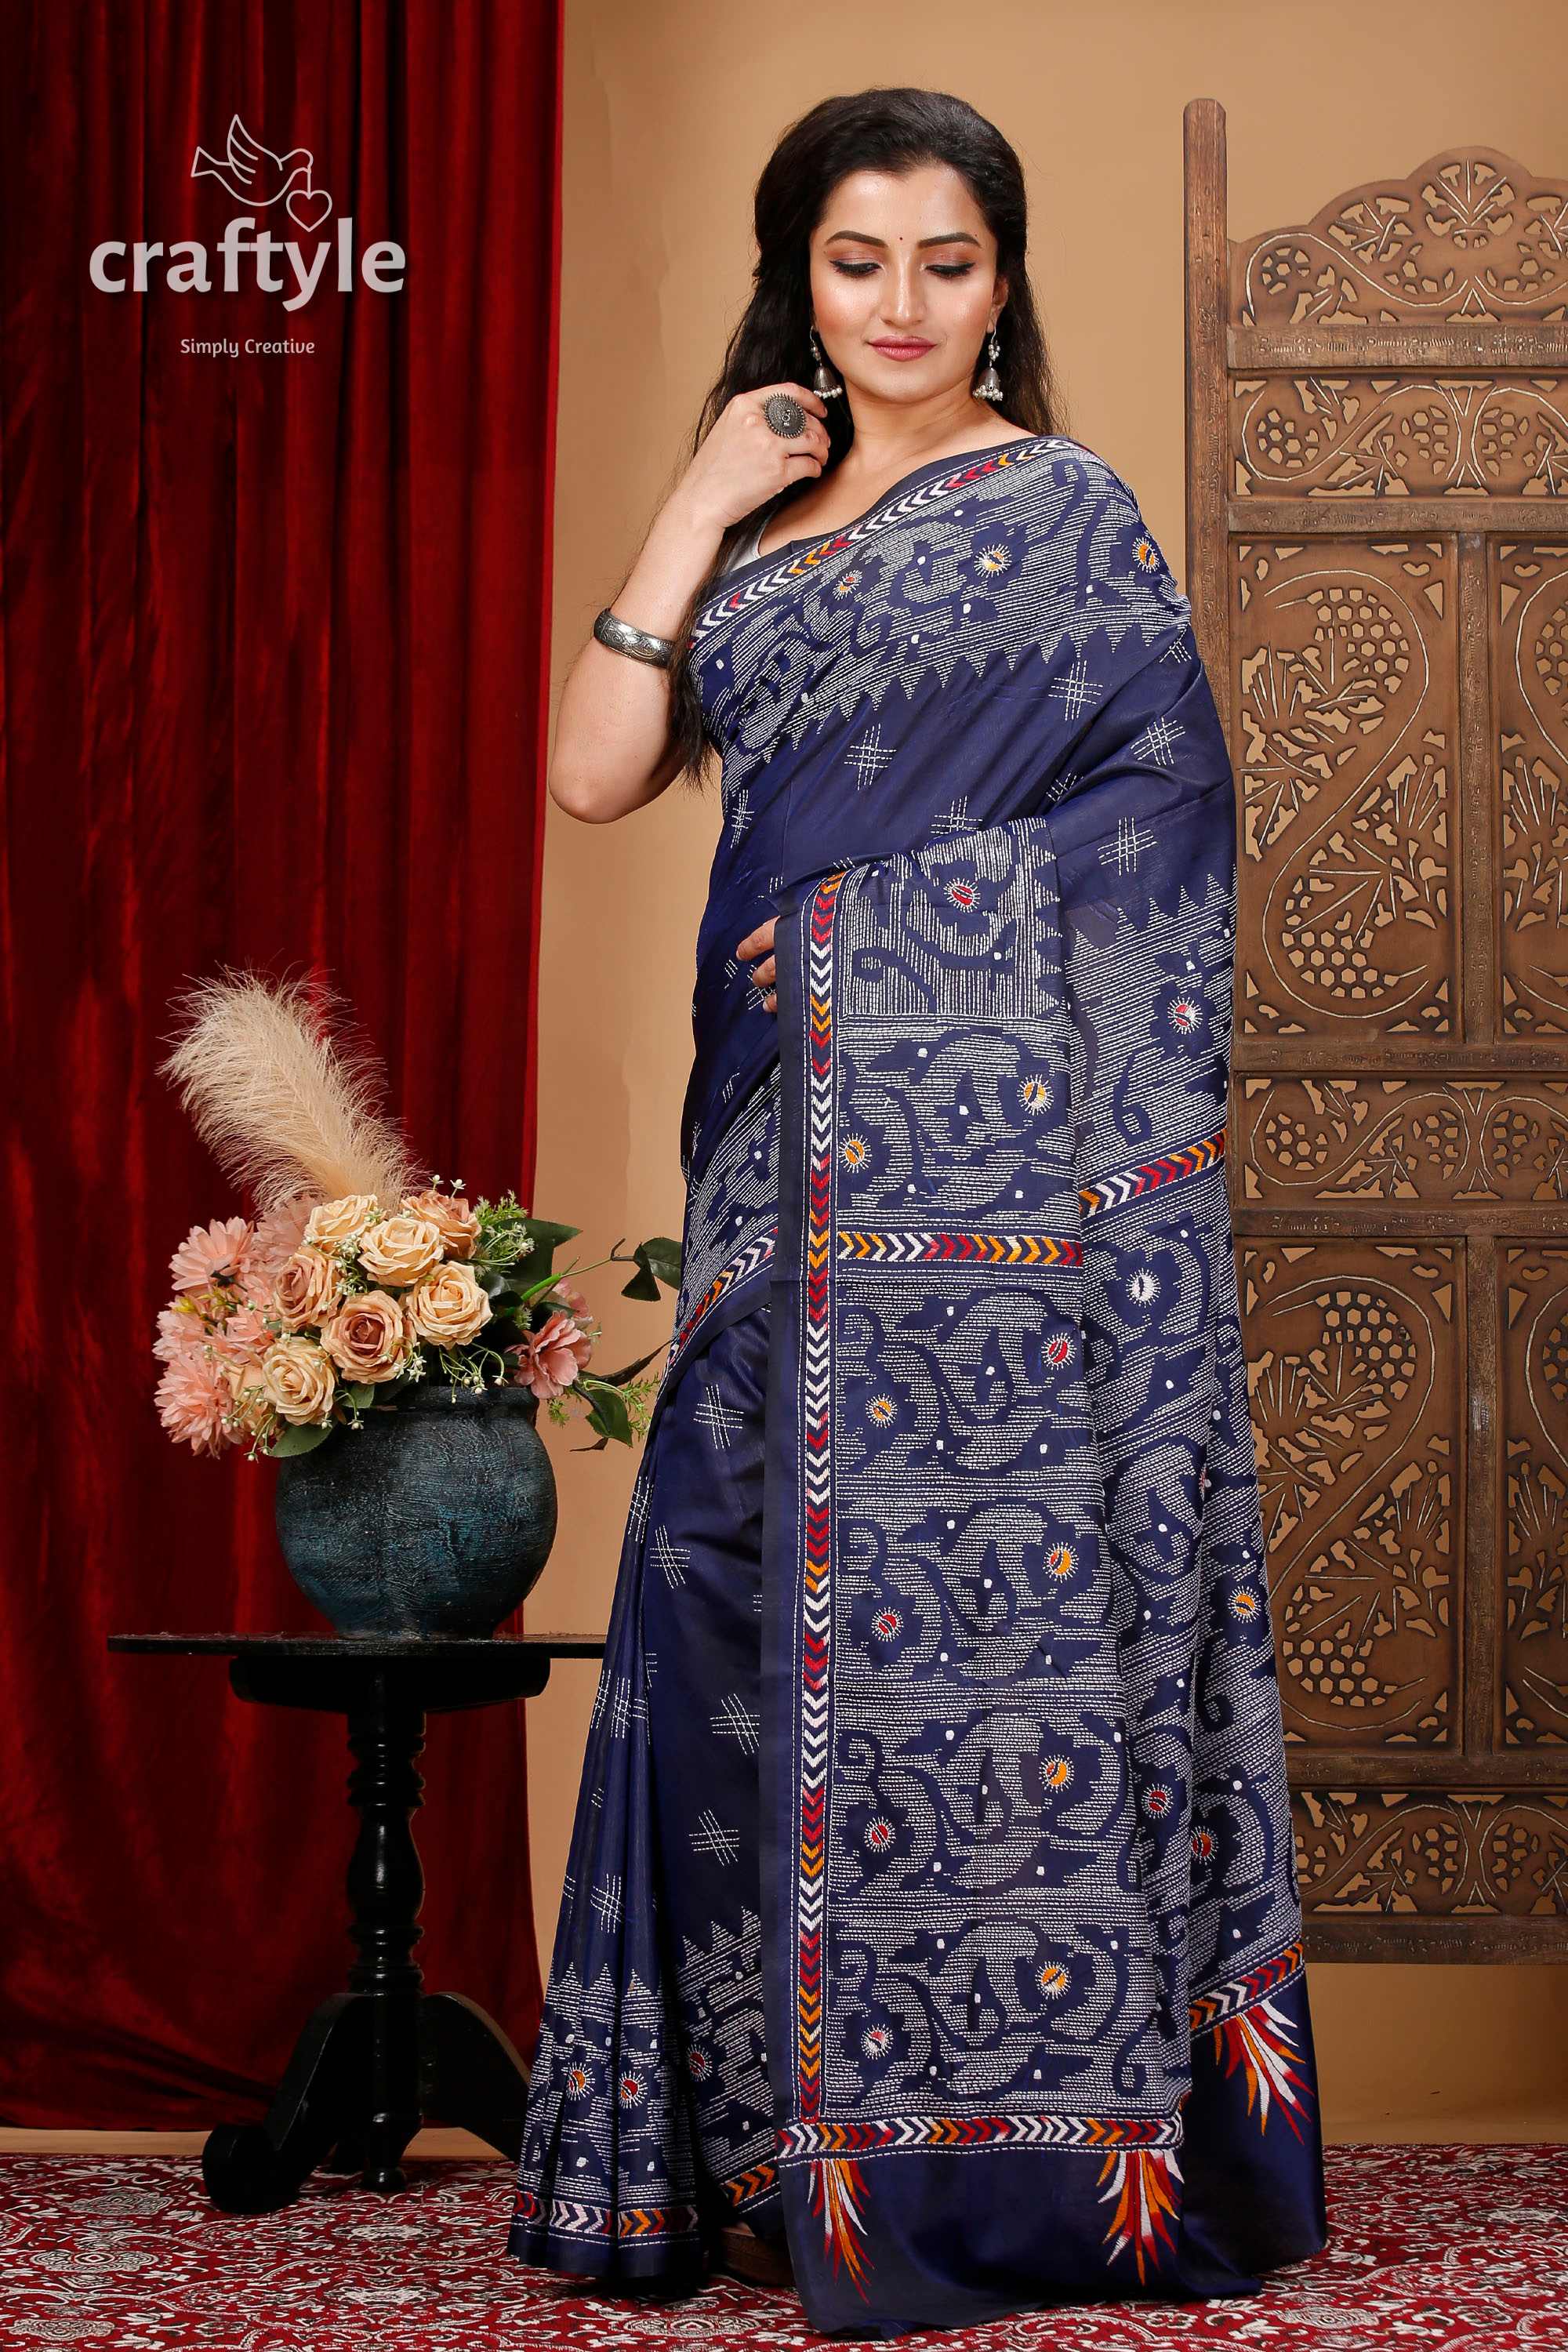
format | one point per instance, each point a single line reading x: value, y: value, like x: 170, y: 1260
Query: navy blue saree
x: 932, y: 1899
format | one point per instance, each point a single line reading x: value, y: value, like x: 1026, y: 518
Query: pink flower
x: 192, y: 1398
x: 180, y: 1333
x: 243, y: 1336
x: 573, y: 1297
x: 210, y: 1254
x: 549, y: 1359
x: 274, y: 1243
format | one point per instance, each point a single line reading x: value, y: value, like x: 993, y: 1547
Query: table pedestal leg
x: 374, y: 2060
x: 257, y: 2168
x: 469, y: 2075
x: 386, y: 1888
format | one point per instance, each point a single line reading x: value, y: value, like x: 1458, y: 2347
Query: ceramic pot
x: 436, y: 1516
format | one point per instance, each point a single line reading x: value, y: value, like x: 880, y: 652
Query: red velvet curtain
x: 274, y: 693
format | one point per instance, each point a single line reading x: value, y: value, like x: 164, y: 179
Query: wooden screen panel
x: 1377, y: 508
x: 1354, y: 1354
x: 1452, y: 1866
x: 1346, y: 715
x: 1385, y: 436
x: 1409, y: 1139
x: 1530, y: 610
x: 1534, y: 1289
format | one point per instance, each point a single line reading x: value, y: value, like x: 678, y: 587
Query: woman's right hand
x: 613, y: 749
x: 743, y: 461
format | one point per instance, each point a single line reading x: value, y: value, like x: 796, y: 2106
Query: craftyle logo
x: 253, y: 174
x: 257, y: 177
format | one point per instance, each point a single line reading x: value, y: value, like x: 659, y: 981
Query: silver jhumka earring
x: 825, y: 383
x: 990, y: 385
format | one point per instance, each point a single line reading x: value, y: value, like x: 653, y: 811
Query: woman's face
x: 903, y: 282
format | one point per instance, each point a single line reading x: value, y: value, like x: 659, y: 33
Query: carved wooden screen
x: 1378, y: 564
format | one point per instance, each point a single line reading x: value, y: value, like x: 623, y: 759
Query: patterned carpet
x: 1433, y: 2249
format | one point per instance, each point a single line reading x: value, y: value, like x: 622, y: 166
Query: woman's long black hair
x: 874, y: 129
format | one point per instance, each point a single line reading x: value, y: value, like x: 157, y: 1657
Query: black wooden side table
x: 371, y: 2062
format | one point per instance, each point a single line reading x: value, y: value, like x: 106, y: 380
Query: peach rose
x: 452, y: 1217
x: 448, y: 1306
x: 306, y: 1289
x: 400, y: 1249
x: 367, y: 1338
x: 333, y: 1223
x: 298, y: 1381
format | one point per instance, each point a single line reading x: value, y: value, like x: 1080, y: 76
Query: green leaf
x: 508, y: 1235
x: 607, y: 1410
x: 546, y: 1239
x: 358, y: 1394
x: 657, y: 1261
x: 296, y: 1439
x: 544, y: 1236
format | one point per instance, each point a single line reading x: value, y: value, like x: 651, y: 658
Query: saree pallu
x: 932, y: 1899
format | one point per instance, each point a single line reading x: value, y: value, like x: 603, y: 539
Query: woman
x: 931, y: 1901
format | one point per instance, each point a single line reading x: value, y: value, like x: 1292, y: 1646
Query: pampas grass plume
x: 285, y: 1099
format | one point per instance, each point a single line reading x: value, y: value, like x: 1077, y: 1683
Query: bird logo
x: 253, y: 174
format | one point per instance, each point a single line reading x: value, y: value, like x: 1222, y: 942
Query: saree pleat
x: 981, y: 1822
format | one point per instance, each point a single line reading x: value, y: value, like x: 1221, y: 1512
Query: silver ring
x: 784, y: 417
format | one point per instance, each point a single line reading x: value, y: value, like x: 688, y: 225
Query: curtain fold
x: 274, y: 642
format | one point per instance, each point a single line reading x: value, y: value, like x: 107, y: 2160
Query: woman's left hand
x: 760, y: 942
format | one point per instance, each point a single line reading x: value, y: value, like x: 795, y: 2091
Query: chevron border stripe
x: 568, y: 2217
x: 871, y: 526
x: 736, y: 1270
x: 1109, y: 1192
x: 912, y: 1247
x: 1210, y: 2008
x: 747, y: 2186
x: 817, y: 1486
x: 811, y: 2137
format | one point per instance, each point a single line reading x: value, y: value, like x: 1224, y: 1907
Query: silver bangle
x: 642, y: 646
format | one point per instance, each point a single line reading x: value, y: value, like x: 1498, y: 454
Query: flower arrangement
x: 359, y: 1276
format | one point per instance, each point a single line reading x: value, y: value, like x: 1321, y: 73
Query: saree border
x: 574, y: 2219
x: 1125, y: 1185
x: 748, y: 1261
x: 871, y: 525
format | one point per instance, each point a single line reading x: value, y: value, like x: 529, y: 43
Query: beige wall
x: 671, y: 107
